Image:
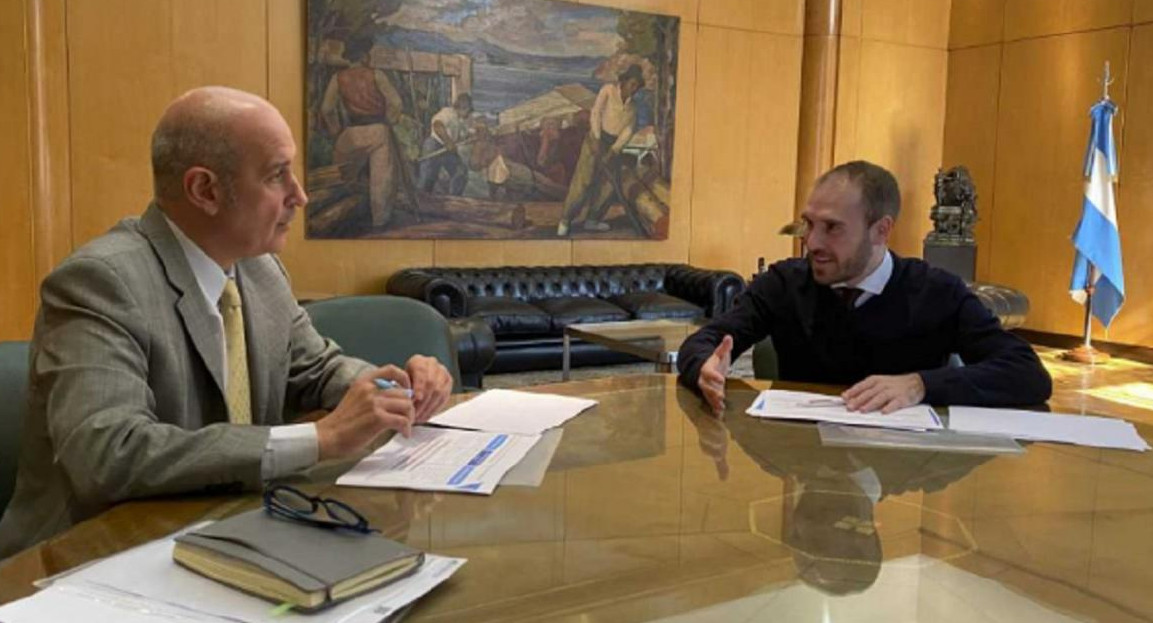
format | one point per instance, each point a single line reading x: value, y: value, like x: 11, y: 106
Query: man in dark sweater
x: 853, y: 313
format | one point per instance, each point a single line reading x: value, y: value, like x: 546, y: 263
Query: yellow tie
x: 236, y: 387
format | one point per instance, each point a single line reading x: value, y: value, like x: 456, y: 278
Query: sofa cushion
x: 509, y: 316
x: 657, y: 306
x: 568, y: 310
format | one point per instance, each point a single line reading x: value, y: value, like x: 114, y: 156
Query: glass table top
x: 654, y: 510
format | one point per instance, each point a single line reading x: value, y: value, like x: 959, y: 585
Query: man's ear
x: 203, y: 189
x: 881, y: 230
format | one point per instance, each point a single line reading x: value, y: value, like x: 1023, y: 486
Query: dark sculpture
x: 955, y: 213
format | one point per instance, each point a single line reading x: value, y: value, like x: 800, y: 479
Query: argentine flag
x: 1097, y: 239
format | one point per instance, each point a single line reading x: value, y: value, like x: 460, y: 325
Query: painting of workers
x: 488, y: 119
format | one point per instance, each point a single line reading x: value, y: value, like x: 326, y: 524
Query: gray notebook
x: 288, y: 561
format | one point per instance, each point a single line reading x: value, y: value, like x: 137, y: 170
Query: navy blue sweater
x: 923, y: 315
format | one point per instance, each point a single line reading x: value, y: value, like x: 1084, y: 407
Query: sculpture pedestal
x: 959, y: 259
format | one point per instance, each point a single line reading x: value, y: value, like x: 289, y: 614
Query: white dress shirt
x: 874, y: 283
x: 614, y: 115
x: 290, y: 448
x: 454, y: 124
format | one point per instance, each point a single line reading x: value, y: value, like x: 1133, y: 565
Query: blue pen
x: 387, y: 384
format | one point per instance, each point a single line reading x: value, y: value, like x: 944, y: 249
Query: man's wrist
x: 920, y: 381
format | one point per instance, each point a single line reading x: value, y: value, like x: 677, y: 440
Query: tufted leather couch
x: 1009, y: 305
x: 527, y: 307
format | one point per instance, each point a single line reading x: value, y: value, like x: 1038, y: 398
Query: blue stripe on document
x: 480, y: 457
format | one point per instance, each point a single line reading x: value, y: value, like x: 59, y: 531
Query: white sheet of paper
x: 508, y: 411
x: 1083, y: 430
x: 441, y: 459
x: 144, y: 585
x: 790, y: 405
x: 70, y: 603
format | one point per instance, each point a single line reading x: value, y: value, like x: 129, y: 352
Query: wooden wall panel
x: 1047, y: 86
x: 496, y: 253
x: 1142, y: 11
x: 971, y: 132
x: 784, y: 17
x: 848, y: 99
x: 922, y: 23
x: 17, y: 285
x: 891, y: 99
x: 1135, y: 211
x: 745, y: 147
x: 1135, y: 125
x: 127, y: 60
x: 851, y: 17
x: 220, y: 42
x: 112, y: 115
x: 775, y: 96
x: 903, y: 133
x: 1135, y: 193
x: 976, y: 22
x: 1039, y: 18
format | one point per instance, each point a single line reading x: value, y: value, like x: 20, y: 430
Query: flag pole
x: 1088, y: 317
x: 1085, y: 353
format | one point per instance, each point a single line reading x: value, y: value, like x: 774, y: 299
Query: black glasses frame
x: 279, y: 508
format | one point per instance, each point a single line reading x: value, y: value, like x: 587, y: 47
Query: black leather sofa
x: 527, y: 307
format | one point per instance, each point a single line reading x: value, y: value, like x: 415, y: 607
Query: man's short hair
x: 632, y: 72
x: 879, y: 190
x: 204, y: 140
x: 464, y: 99
x: 357, y: 46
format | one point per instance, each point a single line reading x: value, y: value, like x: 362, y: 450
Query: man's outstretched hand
x: 711, y: 380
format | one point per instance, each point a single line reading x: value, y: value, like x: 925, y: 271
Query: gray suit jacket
x: 126, y: 387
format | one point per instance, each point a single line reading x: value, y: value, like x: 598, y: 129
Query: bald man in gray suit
x: 130, y: 389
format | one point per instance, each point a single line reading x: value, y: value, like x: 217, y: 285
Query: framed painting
x: 488, y: 119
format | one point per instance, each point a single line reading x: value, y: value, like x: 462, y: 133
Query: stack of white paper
x: 441, y: 459
x: 1083, y: 430
x: 501, y: 427
x: 507, y: 411
x: 789, y: 405
x: 144, y: 585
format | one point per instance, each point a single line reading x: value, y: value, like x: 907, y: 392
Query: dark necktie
x: 848, y: 296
